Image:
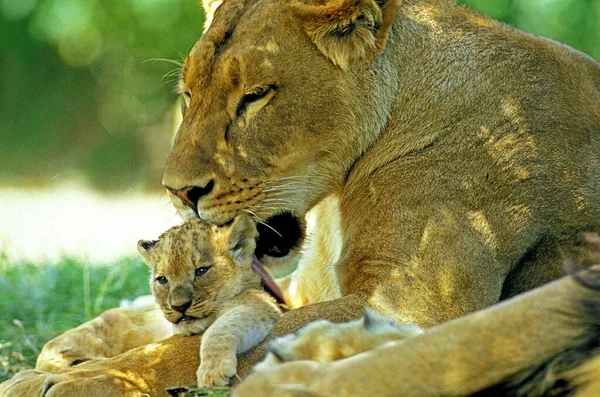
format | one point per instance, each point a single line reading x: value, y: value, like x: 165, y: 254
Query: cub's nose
x: 191, y: 194
x: 182, y: 308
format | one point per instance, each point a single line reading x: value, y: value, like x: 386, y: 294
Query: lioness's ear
x: 348, y: 30
x: 210, y: 6
x: 241, y: 238
x: 144, y: 247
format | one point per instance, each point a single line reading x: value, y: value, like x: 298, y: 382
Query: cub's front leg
x: 236, y: 331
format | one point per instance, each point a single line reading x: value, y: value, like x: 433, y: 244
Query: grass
x: 39, y: 301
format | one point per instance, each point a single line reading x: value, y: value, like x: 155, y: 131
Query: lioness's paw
x: 216, y: 371
x: 287, y: 380
x: 326, y: 341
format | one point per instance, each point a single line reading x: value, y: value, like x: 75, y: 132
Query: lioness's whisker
x: 288, y: 188
x: 287, y: 177
x: 253, y: 214
x: 172, y: 73
x: 302, y: 182
x: 273, y: 210
x: 259, y: 220
x: 270, y: 227
x: 167, y: 60
x: 275, y: 200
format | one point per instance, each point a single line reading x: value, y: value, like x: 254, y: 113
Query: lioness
x: 203, y: 281
x: 462, y: 154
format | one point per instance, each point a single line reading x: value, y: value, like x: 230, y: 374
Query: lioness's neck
x: 393, y: 74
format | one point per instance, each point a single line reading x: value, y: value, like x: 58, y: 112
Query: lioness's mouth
x: 278, y: 236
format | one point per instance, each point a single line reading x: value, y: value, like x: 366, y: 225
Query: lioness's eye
x: 254, y: 96
x: 201, y: 271
x: 161, y: 280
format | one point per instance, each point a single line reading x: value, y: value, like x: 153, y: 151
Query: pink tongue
x: 267, y: 281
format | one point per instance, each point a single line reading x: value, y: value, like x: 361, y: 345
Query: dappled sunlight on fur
x: 113, y: 332
x: 314, y: 279
x: 464, y: 155
x: 462, y: 356
x: 326, y: 341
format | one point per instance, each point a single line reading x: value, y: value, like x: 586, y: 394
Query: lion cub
x: 203, y: 281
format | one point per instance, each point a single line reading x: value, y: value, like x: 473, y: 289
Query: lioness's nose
x: 182, y: 308
x: 191, y: 194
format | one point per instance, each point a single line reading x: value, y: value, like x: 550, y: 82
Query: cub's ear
x: 145, y: 246
x: 209, y: 6
x: 346, y: 31
x: 241, y: 238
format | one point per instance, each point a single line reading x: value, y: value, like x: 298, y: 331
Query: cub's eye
x: 201, y: 271
x: 161, y: 280
x: 258, y: 94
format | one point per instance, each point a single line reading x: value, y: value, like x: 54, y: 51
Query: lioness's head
x: 197, y: 266
x: 274, y: 108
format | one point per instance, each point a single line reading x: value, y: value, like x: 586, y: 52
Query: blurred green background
x: 82, y: 96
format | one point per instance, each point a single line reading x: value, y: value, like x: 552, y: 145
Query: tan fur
x: 151, y: 369
x: 463, y: 152
x: 315, y: 279
x: 457, y: 358
x: 225, y: 304
x: 113, y: 332
x: 458, y: 181
x: 585, y: 379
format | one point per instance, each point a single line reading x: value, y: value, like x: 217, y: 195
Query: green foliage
x: 39, y: 301
x: 12, y: 360
x: 79, y: 93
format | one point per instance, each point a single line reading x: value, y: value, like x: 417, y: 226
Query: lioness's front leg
x: 113, y: 332
x: 172, y: 362
x: 541, y: 328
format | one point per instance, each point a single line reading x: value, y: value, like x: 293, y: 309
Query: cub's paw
x: 216, y: 371
x: 326, y: 341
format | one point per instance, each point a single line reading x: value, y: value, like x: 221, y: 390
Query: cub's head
x: 275, y: 109
x: 197, y: 266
